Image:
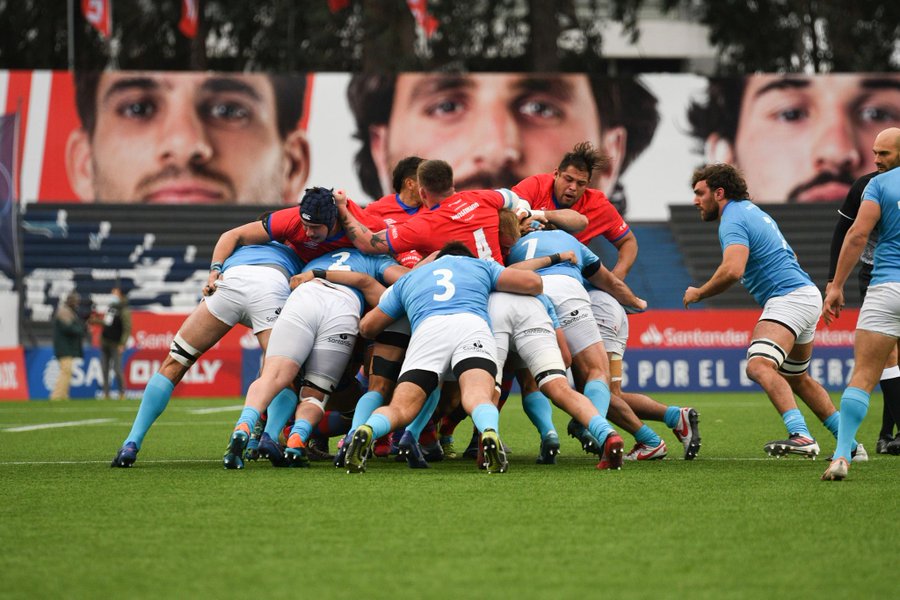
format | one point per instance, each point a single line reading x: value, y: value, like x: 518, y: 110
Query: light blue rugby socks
x: 795, y: 423
x: 280, y: 410
x: 153, y: 403
x: 538, y: 409
x: 486, y: 416
x: 598, y: 393
x: 854, y: 406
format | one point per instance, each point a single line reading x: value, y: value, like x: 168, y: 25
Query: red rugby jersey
x: 603, y: 218
x: 469, y: 217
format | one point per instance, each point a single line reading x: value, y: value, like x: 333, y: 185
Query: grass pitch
x: 731, y: 524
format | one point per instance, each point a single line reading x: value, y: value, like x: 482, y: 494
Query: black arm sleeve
x: 591, y: 269
x: 846, y: 215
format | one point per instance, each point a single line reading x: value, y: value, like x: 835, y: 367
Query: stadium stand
x: 659, y: 271
x: 162, y: 260
x: 807, y: 228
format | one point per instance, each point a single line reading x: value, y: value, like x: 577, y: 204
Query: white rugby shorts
x: 251, y: 295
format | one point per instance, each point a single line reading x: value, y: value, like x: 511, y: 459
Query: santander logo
x: 652, y: 337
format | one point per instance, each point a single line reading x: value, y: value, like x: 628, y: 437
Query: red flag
x: 189, y: 15
x: 338, y: 5
x: 98, y: 13
x: 424, y: 20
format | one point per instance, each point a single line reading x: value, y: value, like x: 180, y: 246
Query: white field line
x: 216, y: 409
x: 55, y: 425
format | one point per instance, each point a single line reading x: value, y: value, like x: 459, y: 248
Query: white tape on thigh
x: 793, y: 368
x: 766, y: 348
x: 315, y: 401
x: 182, y: 352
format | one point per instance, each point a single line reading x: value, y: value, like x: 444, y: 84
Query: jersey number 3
x: 443, y: 280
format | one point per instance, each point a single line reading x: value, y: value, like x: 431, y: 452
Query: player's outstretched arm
x: 518, y: 281
x: 375, y: 321
x: 604, y: 279
x: 734, y: 261
x: 627, y: 248
x: 542, y: 262
x: 851, y: 250
x: 361, y: 236
x: 228, y: 242
x: 566, y: 219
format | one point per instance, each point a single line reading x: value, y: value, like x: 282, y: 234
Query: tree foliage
x: 474, y: 35
x: 791, y: 35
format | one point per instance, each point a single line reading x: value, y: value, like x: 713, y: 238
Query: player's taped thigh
x: 769, y: 349
x: 475, y: 362
x: 427, y: 380
x: 396, y: 339
x: 794, y: 368
x: 319, y: 382
x: 389, y: 369
x: 316, y: 402
x: 182, y: 352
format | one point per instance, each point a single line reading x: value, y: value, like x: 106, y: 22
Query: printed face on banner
x: 493, y: 129
x: 808, y: 138
x: 186, y: 138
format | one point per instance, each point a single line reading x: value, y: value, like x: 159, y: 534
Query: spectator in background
x: 68, y: 335
x: 198, y: 138
x: 796, y: 138
x: 496, y: 129
x: 113, y: 337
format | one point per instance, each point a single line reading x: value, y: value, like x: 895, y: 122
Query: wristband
x: 216, y: 266
x: 319, y: 273
x: 555, y: 259
x: 537, y: 214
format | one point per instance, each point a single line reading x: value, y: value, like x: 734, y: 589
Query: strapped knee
x: 182, y: 352
x: 766, y: 348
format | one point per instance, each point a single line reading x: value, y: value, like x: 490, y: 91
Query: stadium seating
x: 806, y: 227
x: 161, y: 260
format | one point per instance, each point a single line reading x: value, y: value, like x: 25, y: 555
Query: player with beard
x: 755, y: 253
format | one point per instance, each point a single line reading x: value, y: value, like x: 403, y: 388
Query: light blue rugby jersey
x: 885, y: 190
x: 546, y: 243
x: 351, y: 259
x: 449, y: 285
x: 271, y: 253
x: 772, y: 269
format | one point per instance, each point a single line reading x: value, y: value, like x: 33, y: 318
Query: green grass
x: 731, y: 524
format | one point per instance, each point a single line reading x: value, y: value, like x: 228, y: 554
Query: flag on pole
x: 338, y: 5
x: 8, y: 178
x: 424, y: 20
x: 98, y: 14
x: 189, y: 16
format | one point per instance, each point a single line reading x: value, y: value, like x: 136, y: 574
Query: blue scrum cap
x: 318, y: 207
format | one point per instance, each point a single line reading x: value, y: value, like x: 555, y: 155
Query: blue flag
x: 8, y: 244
